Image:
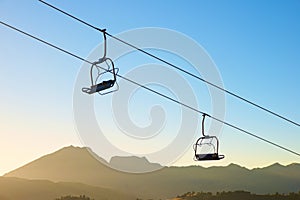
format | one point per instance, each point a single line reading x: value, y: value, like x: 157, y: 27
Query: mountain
x: 70, y: 164
x: 16, y: 189
x: 74, y: 164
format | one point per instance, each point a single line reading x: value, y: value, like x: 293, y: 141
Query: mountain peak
x: 273, y: 166
x: 74, y: 148
x: 277, y: 164
x: 233, y: 165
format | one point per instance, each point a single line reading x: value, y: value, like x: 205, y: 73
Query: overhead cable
x: 177, y: 67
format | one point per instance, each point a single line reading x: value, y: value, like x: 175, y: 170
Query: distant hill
x: 17, y: 189
x: 74, y: 164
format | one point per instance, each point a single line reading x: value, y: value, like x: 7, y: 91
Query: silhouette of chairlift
x: 207, y: 142
x: 104, y: 84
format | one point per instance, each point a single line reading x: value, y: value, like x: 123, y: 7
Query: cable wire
x: 178, y: 68
x: 154, y: 91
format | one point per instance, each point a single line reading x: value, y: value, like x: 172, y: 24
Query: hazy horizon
x: 196, y: 163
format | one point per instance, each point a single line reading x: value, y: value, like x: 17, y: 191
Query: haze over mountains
x: 74, y: 164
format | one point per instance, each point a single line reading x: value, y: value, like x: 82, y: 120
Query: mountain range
x: 77, y: 165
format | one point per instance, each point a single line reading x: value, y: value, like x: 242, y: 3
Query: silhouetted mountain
x: 17, y: 189
x: 73, y: 164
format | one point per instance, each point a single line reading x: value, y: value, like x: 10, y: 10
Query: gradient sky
x: 254, y: 44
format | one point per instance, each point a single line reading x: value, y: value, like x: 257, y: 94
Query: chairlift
x: 100, y: 84
x: 207, y: 147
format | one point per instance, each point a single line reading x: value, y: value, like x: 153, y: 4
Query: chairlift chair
x: 206, y: 141
x: 98, y: 85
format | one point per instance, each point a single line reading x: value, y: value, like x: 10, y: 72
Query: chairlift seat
x: 102, y: 86
x: 210, y: 156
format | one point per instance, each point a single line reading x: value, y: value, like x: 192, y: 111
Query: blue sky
x: 254, y: 44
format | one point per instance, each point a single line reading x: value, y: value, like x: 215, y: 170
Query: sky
x: 254, y: 45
